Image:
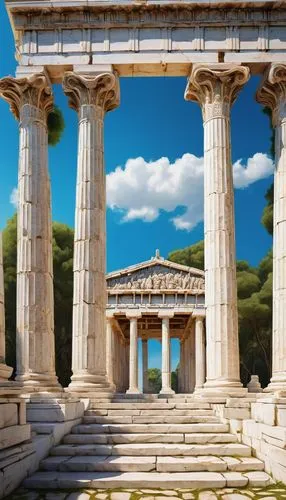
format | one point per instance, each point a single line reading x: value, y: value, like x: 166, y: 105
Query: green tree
x: 175, y: 380
x: 192, y: 256
x: 254, y: 290
x: 63, y: 289
x: 155, y: 380
x: 56, y: 126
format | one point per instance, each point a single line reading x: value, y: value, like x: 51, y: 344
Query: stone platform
x: 178, y: 442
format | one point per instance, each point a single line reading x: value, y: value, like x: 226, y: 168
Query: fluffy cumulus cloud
x: 141, y: 189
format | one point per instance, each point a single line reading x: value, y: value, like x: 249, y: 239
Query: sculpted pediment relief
x: 157, y: 277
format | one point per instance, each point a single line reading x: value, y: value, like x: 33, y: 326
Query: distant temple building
x: 156, y: 299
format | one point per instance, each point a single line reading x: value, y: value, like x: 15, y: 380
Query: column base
x: 87, y: 383
x: 38, y: 382
x: 133, y: 391
x: 5, y: 372
x: 277, y: 384
x: 167, y: 392
x: 229, y: 388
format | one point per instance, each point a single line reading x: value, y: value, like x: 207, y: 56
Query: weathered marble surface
x: 215, y: 88
x: 152, y: 38
x: 91, y: 95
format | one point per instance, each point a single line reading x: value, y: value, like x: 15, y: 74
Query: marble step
x: 155, y: 449
x: 148, y: 428
x: 65, y: 480
x: 144, y: 464
x: 145, y: 419
x: 157, y: 405
x: 150, y: 413
x: 196, y: 438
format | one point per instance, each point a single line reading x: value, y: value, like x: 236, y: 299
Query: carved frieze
x: 158, y: 279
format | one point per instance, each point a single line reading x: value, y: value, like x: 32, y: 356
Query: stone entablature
x: 157, y: 283
x: 161, y: 37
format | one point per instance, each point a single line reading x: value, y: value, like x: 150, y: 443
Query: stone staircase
x: 170, y: 443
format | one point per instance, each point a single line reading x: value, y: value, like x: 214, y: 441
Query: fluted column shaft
x: 145, y: 365
x: 109, y: 351
x: 272, y: 93
x: 200, y: 353
x: 91, y: 97
x: 215, y: 88
x: 31, y: 101
x: 133, y: 358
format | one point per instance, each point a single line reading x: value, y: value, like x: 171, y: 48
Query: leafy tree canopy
x: 155, y: 380
x: 56, y: 126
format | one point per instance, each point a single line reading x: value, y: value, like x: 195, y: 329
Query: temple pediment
x: 157, y: 274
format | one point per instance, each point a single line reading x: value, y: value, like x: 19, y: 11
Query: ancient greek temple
x: 161, y: 300
x: 88, y: 46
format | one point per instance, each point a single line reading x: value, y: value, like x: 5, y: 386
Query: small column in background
x: 166, y: 355
x: 109, y: 351
x: 133, y: 359
x: 200, y: 346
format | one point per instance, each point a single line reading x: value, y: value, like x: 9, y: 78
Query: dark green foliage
x: 175, y: 380
x: 192, y: 256
x: 268, y: 112
x: 267, y: 215
x: 155, y: 380
x: 56, y: 126
x: 10, y: 259
x: 63, y: 290
x: 254, y: 290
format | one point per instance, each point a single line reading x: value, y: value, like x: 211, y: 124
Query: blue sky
x: 153, y: 121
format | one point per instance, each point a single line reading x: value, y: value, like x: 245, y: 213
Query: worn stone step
x: 99, y: 464
x: 94, y: 480
x: 149, y: 413
x: 156, y: 405
x: 144, y: 419
x: 123, y: 438
x: 208, y: 463
x: 199, y: 438
x: 144, y: 464
x: 149, y: 428
x: 156, y: 449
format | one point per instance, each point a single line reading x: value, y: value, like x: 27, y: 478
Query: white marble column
x: 109, y: 351
x: 166, y: 353
x: 272, y: 93
x: 31, y: 101
x: 91, y: 96
x: 133, y: 356
x: 145, y: 365
x: 192, y: 358
x: 215, y: 88
x: 200, y: 352
x: 5, y: 371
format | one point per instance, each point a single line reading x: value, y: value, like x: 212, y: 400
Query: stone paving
x: 273, y: 492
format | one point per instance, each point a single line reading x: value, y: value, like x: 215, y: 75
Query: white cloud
x: 14, y: 197
x: 258, y: 167
x: 142, y: 189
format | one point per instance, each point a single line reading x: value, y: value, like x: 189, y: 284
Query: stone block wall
x: 16, y: 450
x: 260, y: 422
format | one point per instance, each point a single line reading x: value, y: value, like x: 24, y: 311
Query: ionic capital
x: 215, y: 87
x: 100, y: 90
x: 33, y: 91
x: 272, y: 92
